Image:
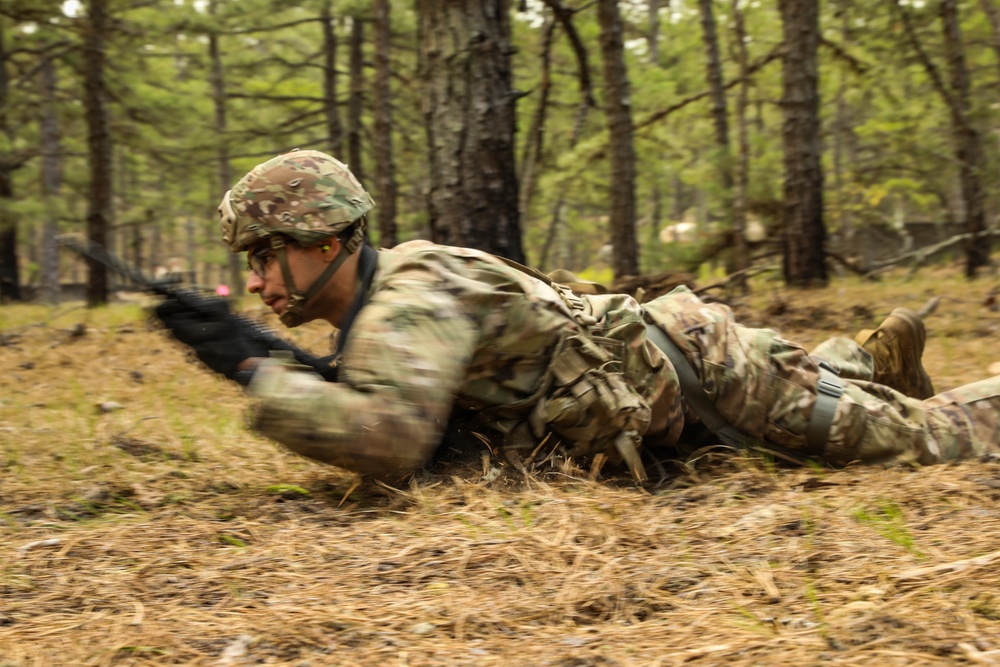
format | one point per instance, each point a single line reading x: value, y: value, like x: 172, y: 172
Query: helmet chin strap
x: 294, y: 314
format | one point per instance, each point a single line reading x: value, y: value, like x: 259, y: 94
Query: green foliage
x: 887, y: 133
x: 287, y: 490
x: 232, y: 541
x: 889, y: 520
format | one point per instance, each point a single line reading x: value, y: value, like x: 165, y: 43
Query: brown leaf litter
x: 163, y: 533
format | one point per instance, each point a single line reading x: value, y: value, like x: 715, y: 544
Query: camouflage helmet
x: 306, y: 195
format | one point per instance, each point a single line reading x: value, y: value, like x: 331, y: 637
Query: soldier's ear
x: 329, y: 249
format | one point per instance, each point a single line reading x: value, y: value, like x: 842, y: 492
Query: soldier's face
x: 267, y: 279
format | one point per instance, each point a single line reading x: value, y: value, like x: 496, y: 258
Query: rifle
x: 197, y: 302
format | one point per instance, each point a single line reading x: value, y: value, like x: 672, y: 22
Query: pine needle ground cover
x: 142, y: 524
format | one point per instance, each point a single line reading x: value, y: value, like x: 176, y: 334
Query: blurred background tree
x: 607, y: 138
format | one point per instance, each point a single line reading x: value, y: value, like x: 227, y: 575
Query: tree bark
x: 334, y: 130
x: 556, y: 217
x: 469, y: 115
x: 10, y: 280
x: 534, y: 143
x: 844, y: 144
x: 713, y: 67
x: 99, y: 146
x: 742, y: 175
x: 720, y: 120
x: 385, y: 168
x: 993, y: 14
x: 966, y: 136
x: 804, y: 234
x: 191, y: 235
x: 618, y: 108
x: 653, y: 38
x: 51, y: 180
x: 356, y: 104
x: 967, y: 142
x: 565, y: 18
x: 224, y: 167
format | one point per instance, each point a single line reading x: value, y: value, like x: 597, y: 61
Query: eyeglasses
x: 258, y: 260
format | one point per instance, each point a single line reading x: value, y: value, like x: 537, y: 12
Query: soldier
x: 428, y: 332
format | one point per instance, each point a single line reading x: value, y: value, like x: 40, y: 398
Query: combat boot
x: 897, y: 346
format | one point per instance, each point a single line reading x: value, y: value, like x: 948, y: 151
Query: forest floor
x: 141, y: 523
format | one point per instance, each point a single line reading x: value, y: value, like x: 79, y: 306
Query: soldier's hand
x: 211, y: 331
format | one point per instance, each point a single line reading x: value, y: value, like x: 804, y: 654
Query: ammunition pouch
x: 583, y: 398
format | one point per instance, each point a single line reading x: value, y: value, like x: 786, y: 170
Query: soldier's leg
x: 766, y: 387
x: 876, y: 424
x: 850, y: 360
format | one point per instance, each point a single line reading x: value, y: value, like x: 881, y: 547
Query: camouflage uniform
x: 766, y: 387
x: 449, y: 328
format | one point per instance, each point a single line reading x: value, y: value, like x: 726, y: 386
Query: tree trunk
x: 679, y: 200
x: 713, y: 67
x: 843, y: 142
x: 656, y: 212
x: 534, y: 143
x: 742, y: 176
x: 224, y: 169
x: 385, y: 168
x: 618, y: 108
x: 10, y: 280
x: 956, y: 98
x: 804, y: 234
x: 653, y: 39
x: 720, y: 120
x: 470, y: 119
x: 191, y: 247
x: 156, y: 244
x: 334, y: 130
x: 557, y: 210
x: 993, y: 14
x: 99, y: 146
x: 51, y: 177
x: 356, y: 104
x: 967, y: 142
x: 129, y: 229
x: 564, y: 17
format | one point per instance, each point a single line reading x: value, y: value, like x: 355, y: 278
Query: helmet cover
x: 306, y: 195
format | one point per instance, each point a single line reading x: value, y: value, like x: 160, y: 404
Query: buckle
x: 829, y: 387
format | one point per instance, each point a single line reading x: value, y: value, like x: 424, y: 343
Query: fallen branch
x: 732, y: 277
x: 923, y: 254
x: 843, y: 261
x: 948, y: 568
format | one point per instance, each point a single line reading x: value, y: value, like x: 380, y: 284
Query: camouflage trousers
x: 766, y: 387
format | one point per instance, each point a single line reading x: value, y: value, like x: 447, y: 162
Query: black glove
x: 214, y: 335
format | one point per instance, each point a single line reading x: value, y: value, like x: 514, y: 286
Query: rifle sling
x: 828, y: 392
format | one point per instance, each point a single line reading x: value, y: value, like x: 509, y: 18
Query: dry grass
x: 164, y: 533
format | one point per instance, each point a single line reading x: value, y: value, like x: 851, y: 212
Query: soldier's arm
x: 405, y: 362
